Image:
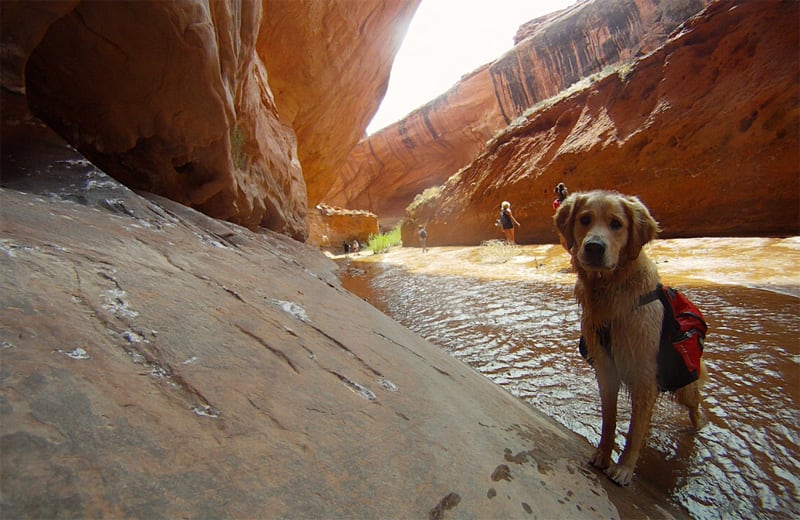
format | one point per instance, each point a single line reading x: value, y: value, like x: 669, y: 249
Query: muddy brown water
x: 522, y: 333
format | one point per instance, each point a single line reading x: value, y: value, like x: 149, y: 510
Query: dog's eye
x: 616, y: 223
x: 585, y: 220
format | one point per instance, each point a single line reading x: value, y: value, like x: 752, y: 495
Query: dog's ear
x: 564, y: 220
x: 643, y: 227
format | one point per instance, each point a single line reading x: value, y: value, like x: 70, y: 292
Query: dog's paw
x: 621, y: 475
x: 601, y: 458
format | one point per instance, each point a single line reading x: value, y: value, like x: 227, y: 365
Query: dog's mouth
x: 595, y: 266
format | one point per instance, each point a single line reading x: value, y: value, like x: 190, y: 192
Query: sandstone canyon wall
x: 330, y: 227
x: 174, y: 97
x: 704, y: 131
x: 329, y: 65
x: 168, y: 97
x: 386, y: 170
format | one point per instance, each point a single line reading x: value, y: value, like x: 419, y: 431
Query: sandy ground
x: 765, y: 263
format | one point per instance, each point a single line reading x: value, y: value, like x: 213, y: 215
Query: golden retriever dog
x: 604, y: 233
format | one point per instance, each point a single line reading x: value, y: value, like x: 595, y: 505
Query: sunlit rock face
x: 329, y: 65
x: 331, y: 227
x: 168, y: 97
x: 704, y: 131
x: 386, y: 170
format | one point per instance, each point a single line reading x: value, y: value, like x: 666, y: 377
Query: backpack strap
x: 668, y: 323
x: 652, y: 296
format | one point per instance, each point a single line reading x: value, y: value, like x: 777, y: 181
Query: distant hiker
x: 561, y: 194
x: 423, y: 238
x: 356, y: 247
x: 507, y: 221
x: 346, y: 247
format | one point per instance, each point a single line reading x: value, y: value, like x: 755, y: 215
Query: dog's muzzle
x: 594, y: 252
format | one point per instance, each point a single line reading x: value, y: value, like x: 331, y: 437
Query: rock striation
x: 387, y: 169
x: 158, y: 363
x: 705, y: 131
x: 175, y: 97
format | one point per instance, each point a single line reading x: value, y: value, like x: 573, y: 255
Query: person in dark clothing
x: 561, y: 194
x: 423, y: 238
x: 507, y: 221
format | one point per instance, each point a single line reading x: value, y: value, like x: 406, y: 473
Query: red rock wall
x: 705, y: 131
x: 175, y: 98
x: 385, y: 171
x: 330, y: 73
x: 169, y: 97
x: 329, y: 227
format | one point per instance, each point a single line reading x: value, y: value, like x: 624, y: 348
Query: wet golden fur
x: 604, y: 233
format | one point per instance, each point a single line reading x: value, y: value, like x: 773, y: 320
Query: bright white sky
x: 450, y: 38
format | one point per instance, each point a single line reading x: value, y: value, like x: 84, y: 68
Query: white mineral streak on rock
x: 293, y: 309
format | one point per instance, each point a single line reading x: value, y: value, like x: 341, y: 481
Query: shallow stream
x: 521, y: 328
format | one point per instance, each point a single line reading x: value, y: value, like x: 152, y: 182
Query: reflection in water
x: 523, y: 335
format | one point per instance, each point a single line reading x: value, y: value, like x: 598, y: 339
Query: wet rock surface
x: 157, y: 363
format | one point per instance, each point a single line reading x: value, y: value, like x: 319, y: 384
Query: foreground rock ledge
x: 157, y: 363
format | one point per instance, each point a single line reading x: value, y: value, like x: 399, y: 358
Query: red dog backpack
x: 683, y: 334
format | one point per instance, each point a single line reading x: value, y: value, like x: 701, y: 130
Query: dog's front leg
x: 643, y: 400
x: 608, y: 381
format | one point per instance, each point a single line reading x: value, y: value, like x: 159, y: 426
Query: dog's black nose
x: 594, y: 251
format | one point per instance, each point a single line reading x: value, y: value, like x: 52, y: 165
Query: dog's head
x: 603, y: 230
